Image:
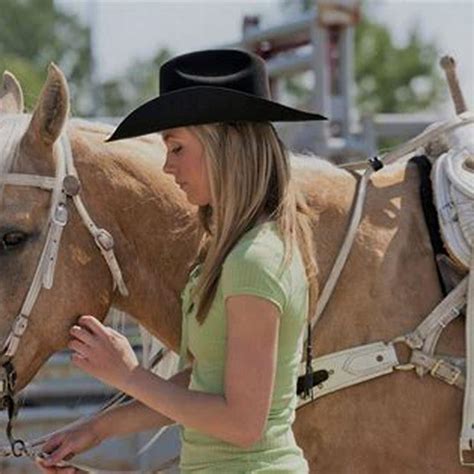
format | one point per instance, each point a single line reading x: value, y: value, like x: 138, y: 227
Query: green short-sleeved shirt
x: 252, y: 267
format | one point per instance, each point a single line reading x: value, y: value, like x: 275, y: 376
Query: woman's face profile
x: 185, y: 161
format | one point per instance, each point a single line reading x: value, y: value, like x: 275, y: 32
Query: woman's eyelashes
x: 176, y: 149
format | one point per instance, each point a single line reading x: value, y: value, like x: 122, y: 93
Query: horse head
x: 29, y: 145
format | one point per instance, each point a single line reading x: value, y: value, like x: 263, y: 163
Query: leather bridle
x: 65, y: 184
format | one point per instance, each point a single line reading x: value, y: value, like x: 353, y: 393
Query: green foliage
x: 30, y: 77
x: 139, y: 83
x: 32, y: 34
x: 391, y: 78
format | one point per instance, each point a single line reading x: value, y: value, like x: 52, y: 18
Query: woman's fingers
x: 64, y: 451
x: 61, y: 447
x: 52, y: 443
x: 44, y: 470
x: 82, y: 334
x: 93, y: 325
x: 56, y: 469
x: 78, y: 346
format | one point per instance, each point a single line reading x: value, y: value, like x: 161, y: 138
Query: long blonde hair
x: 250, y: 176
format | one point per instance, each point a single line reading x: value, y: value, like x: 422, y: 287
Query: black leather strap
x: 307, y: 381
x: 429, y: 211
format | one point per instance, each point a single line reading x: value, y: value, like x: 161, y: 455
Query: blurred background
x: 371, y: 66
x: 358, y: 62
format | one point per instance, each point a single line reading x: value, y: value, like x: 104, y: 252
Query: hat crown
x: 227, y: 68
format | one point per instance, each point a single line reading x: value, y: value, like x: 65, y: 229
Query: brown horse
x: 395, y: 424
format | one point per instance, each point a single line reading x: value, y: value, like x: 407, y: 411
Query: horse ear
x: 11, y: 95
x: 51, y: 110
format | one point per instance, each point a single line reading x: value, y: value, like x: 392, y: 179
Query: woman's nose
x: 168, y: 167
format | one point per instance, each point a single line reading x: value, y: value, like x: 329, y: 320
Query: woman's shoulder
x: 263, y: 240
x: 257, y: 263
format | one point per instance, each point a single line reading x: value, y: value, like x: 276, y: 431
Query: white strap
x: 106, y: 250
x: 57, y: 226
x: 345, y: 248
x: 439, y: 367
x: 448, y: 309
x: 421, y: 140
x: 466, y: 441
x: 44, y: 274
x: 18, y: 179
x: 352, y: 366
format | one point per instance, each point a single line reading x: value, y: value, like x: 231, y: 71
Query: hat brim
x: 204, y: 104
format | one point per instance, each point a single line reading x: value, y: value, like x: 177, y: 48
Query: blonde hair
x: 250, y: 176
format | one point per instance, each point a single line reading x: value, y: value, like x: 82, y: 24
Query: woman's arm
x: 84, y: 435
x: 240, y: 414
x: 134, y: 416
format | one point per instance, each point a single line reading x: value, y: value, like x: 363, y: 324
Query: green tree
x: 389, y: 78
x: 139, y: 83
x: 34, y: 33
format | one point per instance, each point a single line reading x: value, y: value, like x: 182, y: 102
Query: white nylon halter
x: 65, y: 183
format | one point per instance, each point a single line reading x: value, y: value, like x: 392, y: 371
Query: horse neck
x: 390, y: 256
x: 154, y: 228
x: 329, y: 192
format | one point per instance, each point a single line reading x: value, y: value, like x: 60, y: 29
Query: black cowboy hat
x: 218, y: 85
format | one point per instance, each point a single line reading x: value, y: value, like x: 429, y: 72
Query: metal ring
x: 21, y: 446
x: 407, y: 365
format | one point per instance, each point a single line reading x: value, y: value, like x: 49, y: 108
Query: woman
x: 250, y: 290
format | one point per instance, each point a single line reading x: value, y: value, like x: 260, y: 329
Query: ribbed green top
x: 252, y: 267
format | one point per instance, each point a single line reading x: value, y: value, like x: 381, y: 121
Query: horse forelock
x: 12, y: 129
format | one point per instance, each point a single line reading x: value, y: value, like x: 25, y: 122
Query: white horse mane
x: 12, y: 129
x: 308, y: 160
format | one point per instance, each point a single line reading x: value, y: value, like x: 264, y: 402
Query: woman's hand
x: 102, y: 352
x: 64, y: 445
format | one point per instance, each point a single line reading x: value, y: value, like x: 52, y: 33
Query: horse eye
x: 12, y: 239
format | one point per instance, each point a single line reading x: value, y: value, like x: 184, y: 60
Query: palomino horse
x: 395, y: 424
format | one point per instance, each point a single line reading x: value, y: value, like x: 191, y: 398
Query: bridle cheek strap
x: 65, y: 184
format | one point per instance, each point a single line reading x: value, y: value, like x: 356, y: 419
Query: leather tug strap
x: 429, y: 212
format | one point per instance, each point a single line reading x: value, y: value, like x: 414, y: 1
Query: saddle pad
x: 453, y: 189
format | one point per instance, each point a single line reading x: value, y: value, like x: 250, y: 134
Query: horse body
x: 397, y: 423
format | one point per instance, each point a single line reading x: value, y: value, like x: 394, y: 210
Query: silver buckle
x: 104, y: 239
x: 60, y: 215
x: 455, y: 372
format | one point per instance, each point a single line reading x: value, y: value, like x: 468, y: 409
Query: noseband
x: 64, y: 185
